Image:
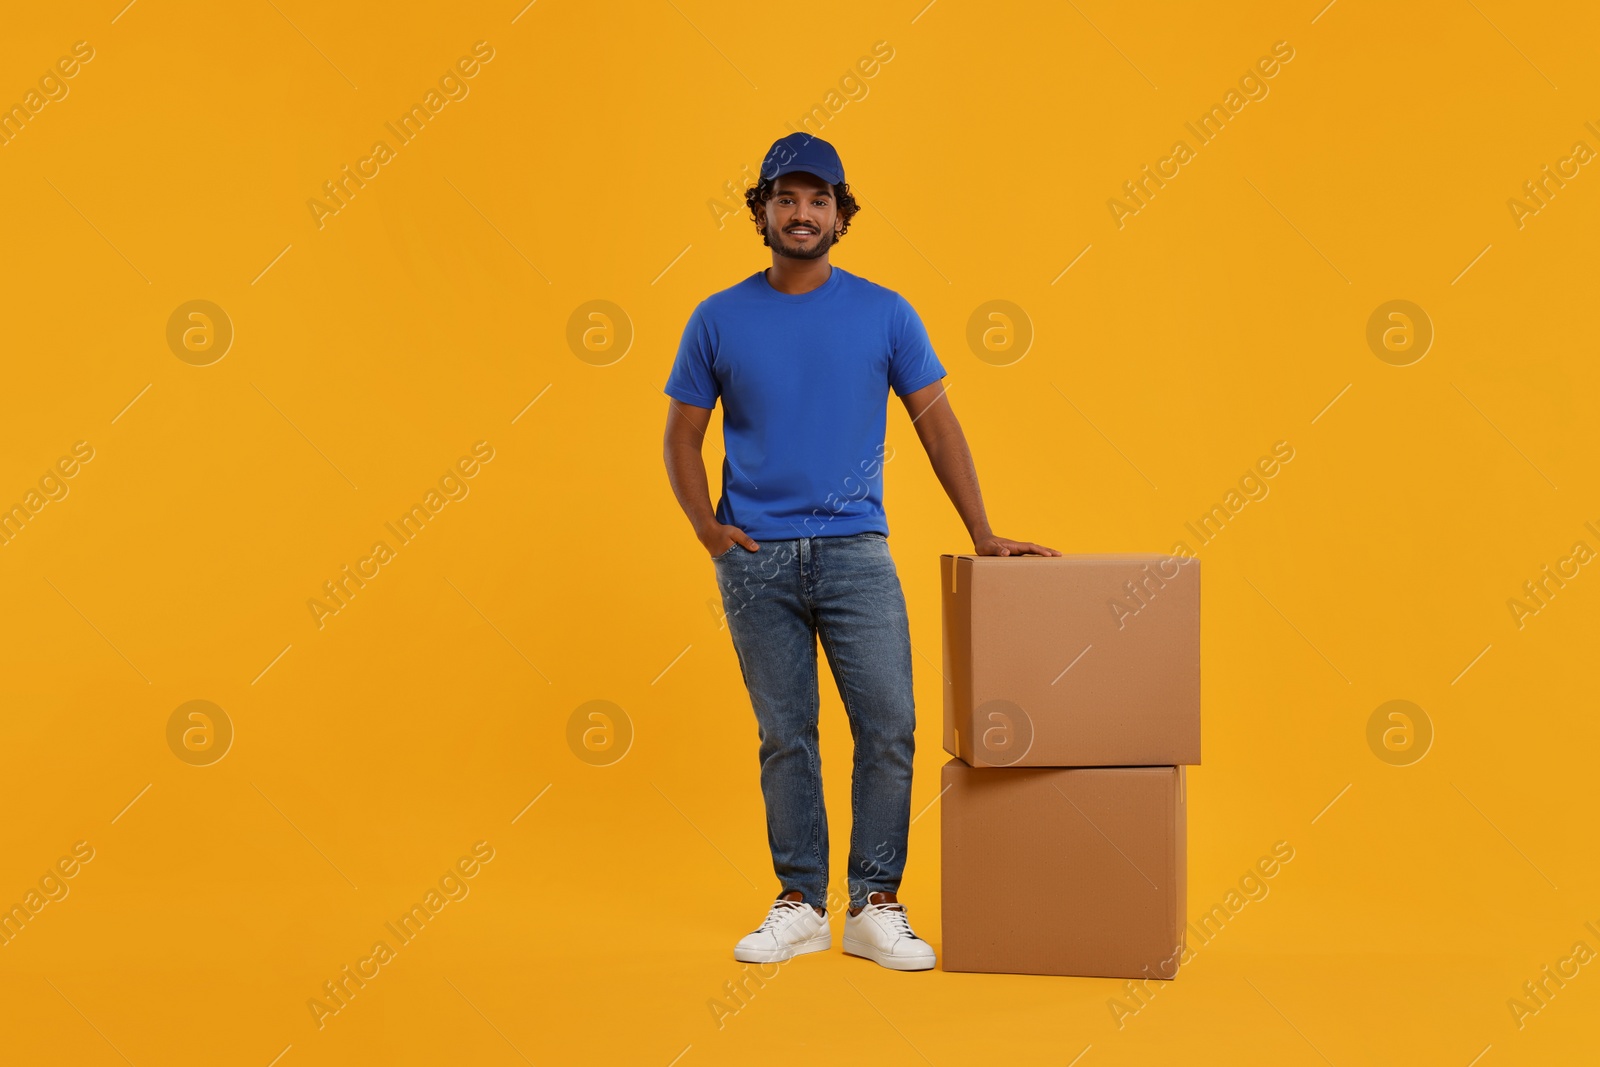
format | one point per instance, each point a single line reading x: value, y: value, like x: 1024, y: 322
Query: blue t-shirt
x: 804, y: 381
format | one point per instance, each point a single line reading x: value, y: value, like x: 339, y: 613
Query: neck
x: 796, y: 276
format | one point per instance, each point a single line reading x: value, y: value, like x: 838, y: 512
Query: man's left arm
x: 941, y: 437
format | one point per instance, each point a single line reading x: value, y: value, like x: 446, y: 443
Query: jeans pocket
x: 719, y: 557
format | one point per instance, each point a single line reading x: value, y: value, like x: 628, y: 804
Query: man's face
x: 802, y: 218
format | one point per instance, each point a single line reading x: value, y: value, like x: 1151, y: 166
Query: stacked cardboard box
x: 1071, y: 706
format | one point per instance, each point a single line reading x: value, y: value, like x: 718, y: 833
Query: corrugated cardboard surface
x: 1064, y: 870
x: 1071, y: 661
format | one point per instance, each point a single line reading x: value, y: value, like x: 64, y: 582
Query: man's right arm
x: 686, y: 471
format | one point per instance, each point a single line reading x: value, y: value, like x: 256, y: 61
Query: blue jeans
x: 778, y: 600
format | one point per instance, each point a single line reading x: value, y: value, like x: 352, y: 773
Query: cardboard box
x: 1064, y: 870
x: 1071, y: 661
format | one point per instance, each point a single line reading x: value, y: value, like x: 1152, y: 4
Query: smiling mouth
x: 802, y: 233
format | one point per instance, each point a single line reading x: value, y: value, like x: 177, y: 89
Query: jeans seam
x: 813, y: 758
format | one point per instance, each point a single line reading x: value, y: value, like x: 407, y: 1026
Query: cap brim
x: 830, y: 177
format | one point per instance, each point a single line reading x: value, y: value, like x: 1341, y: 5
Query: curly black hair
x: 761, y: 192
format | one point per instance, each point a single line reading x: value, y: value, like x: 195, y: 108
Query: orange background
x: 432, y: 312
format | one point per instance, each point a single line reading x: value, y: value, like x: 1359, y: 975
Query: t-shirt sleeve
x: 912, y: 363
x: 692, y: 379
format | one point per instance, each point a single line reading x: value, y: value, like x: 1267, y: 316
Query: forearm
x: 952, y: 462
x: 686, y: 471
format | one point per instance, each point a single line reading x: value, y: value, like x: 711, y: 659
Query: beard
x: 783, y: 245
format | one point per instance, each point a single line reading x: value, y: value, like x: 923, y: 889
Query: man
x: 803, y: 356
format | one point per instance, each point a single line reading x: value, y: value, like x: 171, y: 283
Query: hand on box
x: 1004, y: 546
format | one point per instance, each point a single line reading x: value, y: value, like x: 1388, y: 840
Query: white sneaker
x: 881, y: 932
x: 791, y: 928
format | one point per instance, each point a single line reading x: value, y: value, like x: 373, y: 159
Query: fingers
x: 1005, y: 547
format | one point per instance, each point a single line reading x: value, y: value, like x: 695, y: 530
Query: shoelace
x: 895, y: 916
x: 781, y: 914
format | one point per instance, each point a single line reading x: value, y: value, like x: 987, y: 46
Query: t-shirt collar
x: 834, y: 274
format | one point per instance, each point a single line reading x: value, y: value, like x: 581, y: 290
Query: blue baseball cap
x: 803, y: 152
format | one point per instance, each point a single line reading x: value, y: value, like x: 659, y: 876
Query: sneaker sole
x: 820, y: 943
x: 853, y: 947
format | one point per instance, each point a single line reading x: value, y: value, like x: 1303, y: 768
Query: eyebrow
x: 796, y: 192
